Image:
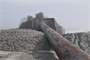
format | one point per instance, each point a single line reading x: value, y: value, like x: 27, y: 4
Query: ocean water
x: 75, y: 31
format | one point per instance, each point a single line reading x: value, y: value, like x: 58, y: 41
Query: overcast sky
x: 72, y: 15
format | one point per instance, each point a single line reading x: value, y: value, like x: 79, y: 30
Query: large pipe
x: 63, y: 48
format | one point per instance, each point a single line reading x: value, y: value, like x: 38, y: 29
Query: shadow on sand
x: 43, y: 50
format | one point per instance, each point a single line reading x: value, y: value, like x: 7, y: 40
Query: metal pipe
x: 63, y: 48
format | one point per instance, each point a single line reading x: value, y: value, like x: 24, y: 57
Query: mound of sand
x: 21, y: 43
x: 23, y: 40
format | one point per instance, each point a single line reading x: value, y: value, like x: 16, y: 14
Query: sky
x: 72, y: 15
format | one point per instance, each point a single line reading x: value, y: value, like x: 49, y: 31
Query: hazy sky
x: 72, y: 15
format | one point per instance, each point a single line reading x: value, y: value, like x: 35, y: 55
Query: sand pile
x: 22, y: 43
x: 23, y: 40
